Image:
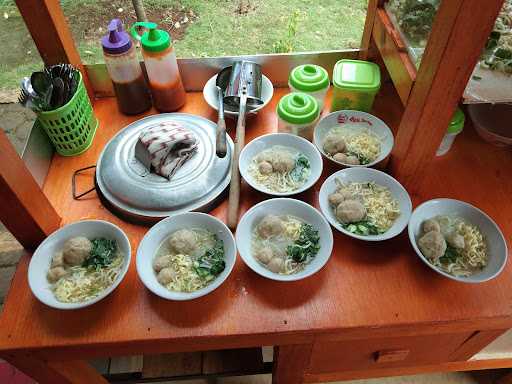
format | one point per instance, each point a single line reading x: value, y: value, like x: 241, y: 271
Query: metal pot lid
x: 137, y: 194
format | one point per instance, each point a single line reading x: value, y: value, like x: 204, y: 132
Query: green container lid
x: 309, y: 78
x: 298, y: 108
x: 153, y: 40
x: 356, y: 75
x: 457, y: 122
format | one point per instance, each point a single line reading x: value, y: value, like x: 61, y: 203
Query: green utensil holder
x: 71, y: 128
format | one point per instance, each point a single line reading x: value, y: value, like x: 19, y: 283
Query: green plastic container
x: 71, y: 128
x: 298, y: 114
x: 355, y: 84
x: 311, y: 79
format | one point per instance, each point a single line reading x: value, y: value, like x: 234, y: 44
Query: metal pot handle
x: 73, y: 183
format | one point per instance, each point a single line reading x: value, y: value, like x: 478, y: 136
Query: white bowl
x: 496, y: 244
x: 211, y: 96
x: 339, y: 118
x: 286, y: 140
x: 42, y: 257
x: 361, y: 175
x: 160, y: 231
x: 284, y: 206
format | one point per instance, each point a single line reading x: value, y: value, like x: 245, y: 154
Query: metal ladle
x: 244, y: 91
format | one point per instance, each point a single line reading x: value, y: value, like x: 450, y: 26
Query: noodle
x: 472, y: 258
x: 382, y: 208
x: 359, y: 141
x: 83, y: 283
x: 280, y: 244
x: 281, y: 182
x: 186, y: 268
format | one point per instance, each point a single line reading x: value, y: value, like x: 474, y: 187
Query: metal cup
x: 244, y: 75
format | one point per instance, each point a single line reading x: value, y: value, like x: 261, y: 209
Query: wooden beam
x: 458, y: 36
x: 371, y: 11
x: 51, y: 34
x: 45, y: 372
x: 394, y: 55
x: 24, y: 208
x: 478, y: 341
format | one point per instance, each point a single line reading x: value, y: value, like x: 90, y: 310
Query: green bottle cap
x: 298, y: 108
x: 153, y: 40
x: 309, y: 78
x: 457, y: 122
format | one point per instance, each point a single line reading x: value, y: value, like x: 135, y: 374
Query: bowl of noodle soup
x: 284, y: 226
x: 379, y: 205
x: 480, y: 257
x: 186, y: 256
x: 82, y: 285
x: 280, y: 164
x: 353, y: 138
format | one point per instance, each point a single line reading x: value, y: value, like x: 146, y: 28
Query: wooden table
x: 375, y: 309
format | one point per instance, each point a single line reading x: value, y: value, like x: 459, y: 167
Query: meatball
x: 431, y: 225
x: 183, y: 241
x: 265, y: 157
x: 276, y: 265
x: 340, y: 157
x: 161, y: 263
x: 283, y: 162
x: 456, y: 240
x: 54, y: 274
x: 76, y: 250
x: 271, y: 225
x: 334, y: 143
x: 350, y: 211
x: 165, y: 276
x: 337, y: 197
x: 352, y: 160
x: 432, y: 245
x: 58, y: 259
x: 264, y: 255
x: 265, y: 167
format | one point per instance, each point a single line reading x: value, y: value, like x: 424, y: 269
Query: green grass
x: 219, y: 29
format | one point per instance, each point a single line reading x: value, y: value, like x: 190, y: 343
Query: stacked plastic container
x: 298, y: 113
x: 310, y: 79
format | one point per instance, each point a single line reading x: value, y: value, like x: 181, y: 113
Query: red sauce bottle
x: 162, y: 67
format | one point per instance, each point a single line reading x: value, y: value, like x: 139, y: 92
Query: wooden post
x: 368, y: 28
x: 459, y: 33
x: 290, y: 363
x: 24, y: 209
x: 51, y: 34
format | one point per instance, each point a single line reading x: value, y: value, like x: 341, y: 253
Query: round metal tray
x: 142, y: 197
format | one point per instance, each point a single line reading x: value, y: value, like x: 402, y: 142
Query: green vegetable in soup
x: 212, y: 263
x: 102, y: 253
x: 299, y: 171
x: 364, y: 228
x: 306, y: 246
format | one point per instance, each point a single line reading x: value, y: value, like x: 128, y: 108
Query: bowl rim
x: 287, y: 278
x: 382, y: 154
x: 185, y: 296
x: 308, y: 184
x: 373, y: 238
x: 264, y: 80
x: 71, y: 306
x: 469, y: 280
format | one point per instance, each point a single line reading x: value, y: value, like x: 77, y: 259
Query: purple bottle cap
x: 116, y: 41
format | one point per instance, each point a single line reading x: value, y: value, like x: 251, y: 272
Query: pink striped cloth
x: 169, y: 145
